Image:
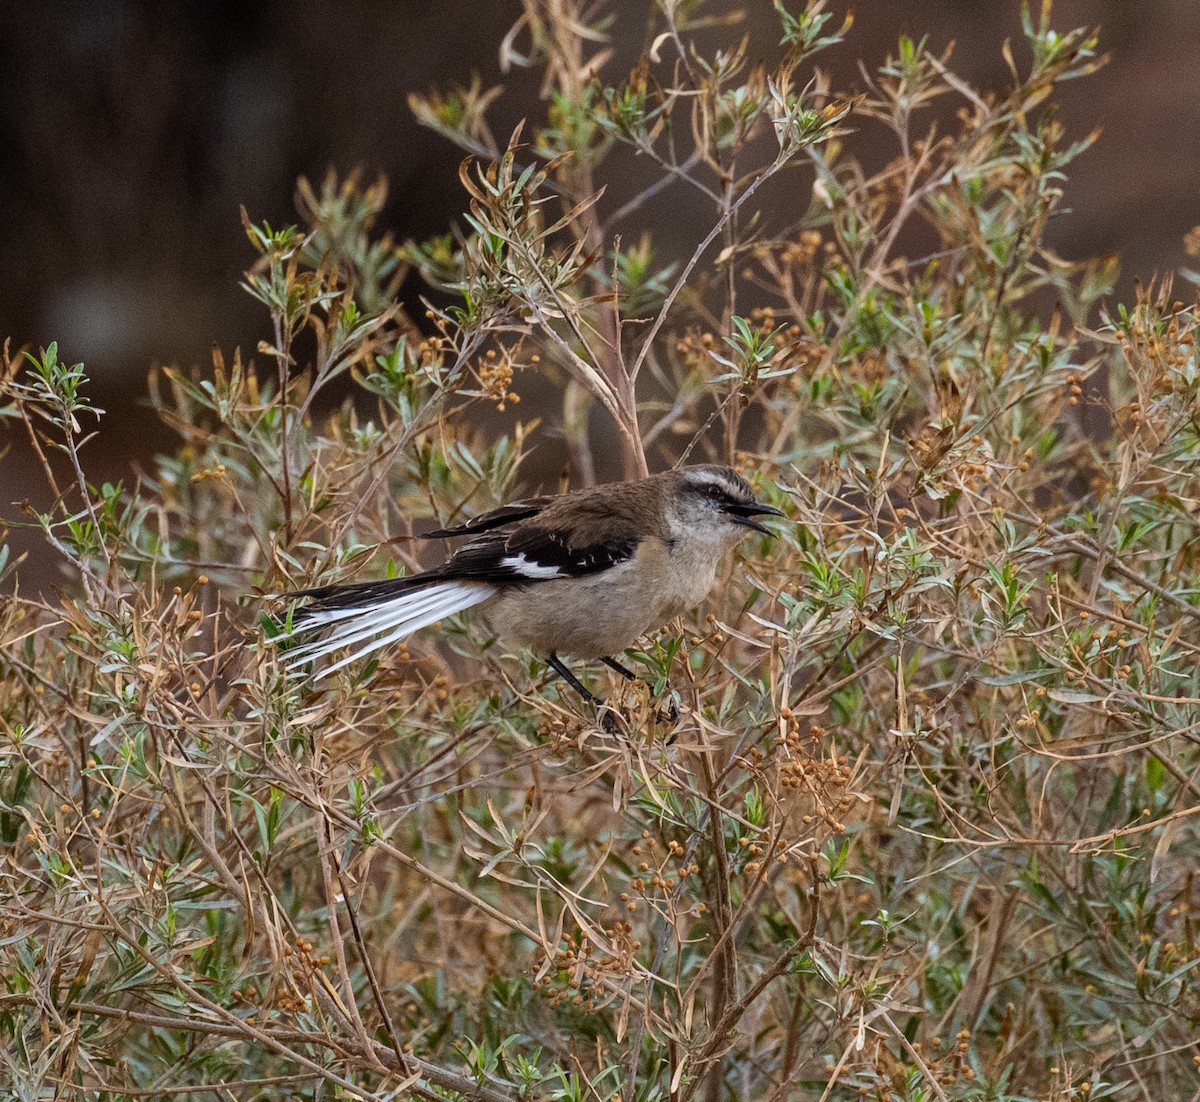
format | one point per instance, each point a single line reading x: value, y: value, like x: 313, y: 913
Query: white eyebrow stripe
x: 697, y: 479
x: 527, y: 569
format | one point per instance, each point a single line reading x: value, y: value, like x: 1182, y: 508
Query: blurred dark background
x: 132, y: 130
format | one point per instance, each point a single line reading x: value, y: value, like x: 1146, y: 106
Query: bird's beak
x: 742, y: 515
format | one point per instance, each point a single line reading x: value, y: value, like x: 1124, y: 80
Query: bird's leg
x: 608, y: 719
x: 624, y: 671
x: 560, y: 668
x: 666, y: 715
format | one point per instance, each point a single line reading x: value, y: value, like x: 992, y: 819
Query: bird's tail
x: 369, y: 615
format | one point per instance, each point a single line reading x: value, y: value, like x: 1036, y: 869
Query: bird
x: 581, y: 574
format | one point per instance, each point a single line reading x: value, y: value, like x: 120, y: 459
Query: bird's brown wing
x: 542, y: 538
x: 530, y: 551
x: 512, y: 513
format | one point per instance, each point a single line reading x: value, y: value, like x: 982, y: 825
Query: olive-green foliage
x: 924, y: 825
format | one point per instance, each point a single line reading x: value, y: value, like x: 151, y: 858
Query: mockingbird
x: 582, y: 574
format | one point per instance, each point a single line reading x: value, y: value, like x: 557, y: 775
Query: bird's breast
x: 689, y: 571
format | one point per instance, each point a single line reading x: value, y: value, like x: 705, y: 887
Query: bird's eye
x: 716, y: 493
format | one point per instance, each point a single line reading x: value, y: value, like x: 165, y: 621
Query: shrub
x: 924, y: 826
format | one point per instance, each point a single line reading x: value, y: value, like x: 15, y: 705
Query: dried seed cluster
x: 581, y: 970
x: 496, y: 377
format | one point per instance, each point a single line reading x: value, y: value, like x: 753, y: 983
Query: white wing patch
x: 521, y: 565
x: 388, y: 620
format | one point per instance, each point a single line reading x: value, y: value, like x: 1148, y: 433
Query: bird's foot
x: 666, y: 713
x: 612, y: 722
x: 615, y: 720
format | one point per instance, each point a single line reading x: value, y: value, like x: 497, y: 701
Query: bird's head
x: 719, y: 503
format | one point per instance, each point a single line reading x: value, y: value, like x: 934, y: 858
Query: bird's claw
x: 611, y: 721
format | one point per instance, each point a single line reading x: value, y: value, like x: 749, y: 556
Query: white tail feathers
x: 387, y: 619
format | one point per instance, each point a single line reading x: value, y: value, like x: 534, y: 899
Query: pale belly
x: 604, y: 613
